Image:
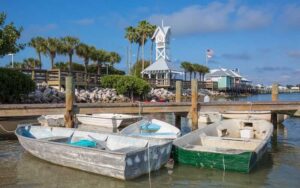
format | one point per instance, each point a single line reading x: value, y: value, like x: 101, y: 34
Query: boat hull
x: 225, y: 145
x: 242, y: 162
x: 165, y: 131
x: 265, y: 115
x: 117, y: 165
x: 107, y: 122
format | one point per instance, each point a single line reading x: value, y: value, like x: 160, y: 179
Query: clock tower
x: 162, y: 41
x: 161, y: 73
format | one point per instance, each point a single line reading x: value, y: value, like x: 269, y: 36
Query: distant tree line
x: 193, y: 69
x: 9, y: 35
x: 69, y: 46
x: 139, y: 35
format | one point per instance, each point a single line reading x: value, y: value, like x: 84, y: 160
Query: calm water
x: 280, y: 167
x: 267, y: 97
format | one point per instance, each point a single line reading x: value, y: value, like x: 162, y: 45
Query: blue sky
x: 261, y: 38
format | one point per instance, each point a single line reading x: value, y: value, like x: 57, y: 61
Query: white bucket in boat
x: 247, y: 133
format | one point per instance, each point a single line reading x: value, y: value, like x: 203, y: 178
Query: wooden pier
x: 178, y: 108
x: 57, y: 77
x: 10, y: 110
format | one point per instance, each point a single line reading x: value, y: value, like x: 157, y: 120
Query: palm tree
x: 187, y: 67
x: 39, y: 44
x: 113, y: 58
x: 139, y: 42
x: 131, y: 35
x: 144, y: 29
x: 205, y: 70
x: 198, y: 69
x: 152, y: 30
x: 52, y: 48
x: 31, y: 63
x: 84, y: 51
x: 99, y: 57
x: 68, y: 46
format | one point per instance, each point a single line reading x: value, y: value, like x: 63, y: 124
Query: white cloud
x: 294, y: 54
x: 214, y: 17
x: 291, y: 15
x: 247, y: 18
x: 197, y: 19
x: 237, y: 56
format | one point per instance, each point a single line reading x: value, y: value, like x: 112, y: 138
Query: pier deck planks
x: 7, y: 110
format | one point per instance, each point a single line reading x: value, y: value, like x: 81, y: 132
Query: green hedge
x: 13, y: 85
x: 126, y: 84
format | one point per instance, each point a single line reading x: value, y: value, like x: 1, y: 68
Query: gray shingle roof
x: 223, y: 72
x: 160, y: 65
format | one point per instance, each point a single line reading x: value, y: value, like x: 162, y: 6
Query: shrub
x: 64, y: 66
x: 126, y: 84
x: 13, y: 85
x: 92, y: 68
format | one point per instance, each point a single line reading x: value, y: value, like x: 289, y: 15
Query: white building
x: 227, y: 78
x: 161, y: 72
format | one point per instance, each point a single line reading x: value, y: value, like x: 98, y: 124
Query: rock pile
x: 46, y: 94
x: 105, y: 95
x: 161, y: 93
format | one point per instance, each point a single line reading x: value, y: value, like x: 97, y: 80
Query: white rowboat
x: 107, y: 154
x: 152, y: 129
x: 228, y: 145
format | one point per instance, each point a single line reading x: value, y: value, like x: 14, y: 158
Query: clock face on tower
x: 160, y: 38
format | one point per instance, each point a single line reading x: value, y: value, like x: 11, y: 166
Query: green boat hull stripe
x: 242, y: 162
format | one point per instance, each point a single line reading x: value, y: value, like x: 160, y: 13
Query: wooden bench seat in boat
x: 55, y: 138
x: 213, y: 149
x: 224, y: 144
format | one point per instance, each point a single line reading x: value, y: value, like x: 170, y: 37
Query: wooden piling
x: 178, y: 120
x: 178, y: 91
x: 275, y: 92
x: 33, y: 75
x: 59, y: 79
x: 274, y: 98
x: 69, y: 114
x: 194, y: 107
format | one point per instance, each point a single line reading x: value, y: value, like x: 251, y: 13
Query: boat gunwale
x: 112, y: 118
x: 261, y: 144
x: 96, y: 149
x: 178, y: 134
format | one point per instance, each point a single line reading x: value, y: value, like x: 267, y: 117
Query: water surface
x: 280, y: 167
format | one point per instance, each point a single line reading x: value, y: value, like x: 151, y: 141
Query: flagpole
x: 206, y: 58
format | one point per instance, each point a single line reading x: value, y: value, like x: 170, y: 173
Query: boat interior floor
x: 223, y: 144
x: 102, y: 145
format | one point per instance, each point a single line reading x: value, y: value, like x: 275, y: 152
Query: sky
x: 260, y: 38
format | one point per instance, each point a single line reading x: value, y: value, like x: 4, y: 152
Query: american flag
x: 209, y: 53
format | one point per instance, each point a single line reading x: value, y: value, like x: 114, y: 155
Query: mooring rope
x: 140, y: 108
x: 250, y: 110
x: 5, y: 130
x: 224, y: 164
x: 149, y: 167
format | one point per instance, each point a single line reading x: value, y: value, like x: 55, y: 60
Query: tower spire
x: 162, y: 23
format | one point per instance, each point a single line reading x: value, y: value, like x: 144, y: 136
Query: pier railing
x: 56, y: 77
x: 170, y: 83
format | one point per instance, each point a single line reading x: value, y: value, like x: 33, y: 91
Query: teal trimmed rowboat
x: 234, y: 145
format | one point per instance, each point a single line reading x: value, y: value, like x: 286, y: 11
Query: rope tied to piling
x: 149, y: 167
x: 5, y: 130
x: 140, y: 108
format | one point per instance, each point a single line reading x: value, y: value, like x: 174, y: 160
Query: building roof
x: 161, y: 65
x: 164, y: 29
x: 223, y: 72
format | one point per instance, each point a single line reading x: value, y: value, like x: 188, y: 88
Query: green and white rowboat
x: 233, y: 144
